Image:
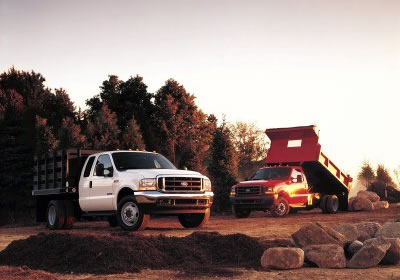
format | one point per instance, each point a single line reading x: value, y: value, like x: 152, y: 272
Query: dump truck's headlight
x: 233, y: 191
x: 269, y: 190
x: 206, y: 184
x: 147, y: 185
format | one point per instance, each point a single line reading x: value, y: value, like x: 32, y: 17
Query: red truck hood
x: 266, y: 183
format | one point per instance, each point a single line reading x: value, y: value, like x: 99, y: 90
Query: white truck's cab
x: 131, y: 185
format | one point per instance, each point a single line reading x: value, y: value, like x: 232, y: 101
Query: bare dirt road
x: 259, y: 225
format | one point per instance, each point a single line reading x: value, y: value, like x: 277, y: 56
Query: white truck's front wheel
x: 130, y: 217
x: 194, y: 220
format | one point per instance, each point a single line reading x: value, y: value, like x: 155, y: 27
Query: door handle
x: 90, y: 184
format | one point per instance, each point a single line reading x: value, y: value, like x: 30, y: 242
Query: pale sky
x: 276, y: 63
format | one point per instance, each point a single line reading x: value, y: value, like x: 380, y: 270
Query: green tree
x: 175, y: 111
x: 223, y: 166
x: 132, y: 136
x: 383, y: 176
x: 250, y: 143
x: 70, y: 135
x: 367, y: 174
x: 102, y: 132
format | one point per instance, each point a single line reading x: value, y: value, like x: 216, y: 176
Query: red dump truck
x: 297, y: 176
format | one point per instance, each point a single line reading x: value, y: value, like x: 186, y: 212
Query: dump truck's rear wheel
x: 322, y: 203
x: 130, y: 216
x: 194, y: 220
x: 332, y: 204
x: 69, y: 214
x: 55, y: 214
x: 240, y: 213
x: 281, y: 208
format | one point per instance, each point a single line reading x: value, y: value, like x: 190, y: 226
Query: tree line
x: 123, y: 115
x: 380, y: 181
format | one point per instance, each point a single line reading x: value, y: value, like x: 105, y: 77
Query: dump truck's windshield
x: 274, y: 173
x: 136, y: 160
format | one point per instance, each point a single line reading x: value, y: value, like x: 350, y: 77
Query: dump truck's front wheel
x: 194, y: 220
x: 240, y: 213
x: 280, y: 208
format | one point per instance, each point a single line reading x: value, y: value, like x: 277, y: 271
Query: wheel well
x: 124, y: 192
x: 284, y: 195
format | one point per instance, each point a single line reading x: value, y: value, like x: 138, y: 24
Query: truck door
x: 298, y: 188
x: 85, y: 185
x: 101, y: 192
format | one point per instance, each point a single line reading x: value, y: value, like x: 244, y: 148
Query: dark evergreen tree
x: 132, y: 137
x: 223, y: 166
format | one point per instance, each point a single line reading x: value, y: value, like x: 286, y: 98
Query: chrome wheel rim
x: 52, y: 215
x: 280, y: 209
x: 130, y: 213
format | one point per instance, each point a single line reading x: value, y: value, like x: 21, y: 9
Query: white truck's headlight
x: 147, y: 185
x: 206, y: 184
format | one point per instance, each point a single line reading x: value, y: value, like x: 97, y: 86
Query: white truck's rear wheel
x: 55, y: 214
x: 69, y: 214
x: 194, y: 220
x: 129, y: 215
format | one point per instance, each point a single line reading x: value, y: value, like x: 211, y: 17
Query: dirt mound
x: 199, y: 253
x: 19, y: 273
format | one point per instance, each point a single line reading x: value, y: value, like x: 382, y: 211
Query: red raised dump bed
x: 299, y: 146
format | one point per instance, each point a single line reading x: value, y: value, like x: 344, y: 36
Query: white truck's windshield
x: 137, y: 160
x: 274, y: 173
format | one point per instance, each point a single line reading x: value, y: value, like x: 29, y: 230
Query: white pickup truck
x: 125, y: 186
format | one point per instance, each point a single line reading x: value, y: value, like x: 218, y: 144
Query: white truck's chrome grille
x: 179, y: 184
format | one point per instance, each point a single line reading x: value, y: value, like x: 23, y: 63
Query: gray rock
x: 367, y: 230
x: 369, y: 255
x: 392, y: 255
x: 282, y: 258
x: 371, y: 196
x: 351, y: 199
x: 349, y: 231
x: 380, y: 205
x: 354, y: 247
x: 390, y: 230
x: 362, y: 204
x: 315, y: 233
x: 325, y: 255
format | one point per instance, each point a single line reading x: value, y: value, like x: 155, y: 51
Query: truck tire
x: 240, y: 213
x: 332, y: 204
x: 194, y: 220
x: 130, y: 216
x: 69, y: 214
x: 322, y: 203
x: 281, y: 207
x: 55, y: 214
x: 112, y: 221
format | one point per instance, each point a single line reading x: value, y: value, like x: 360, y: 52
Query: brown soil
x: 210, y: 252
x: 194, y: 256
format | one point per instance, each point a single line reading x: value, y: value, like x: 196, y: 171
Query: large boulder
x: 354, y: 247
x: 367, y: 230
x: 362, y: 204
x: 282, y: 258
x: 315, y: 233
x: 392, y: 255
x: 390, y: 230
x: 380, y: 204
x: 369, y: 255
x: 325, y: 255
x: 349, y: 231
x: 371, y: 196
